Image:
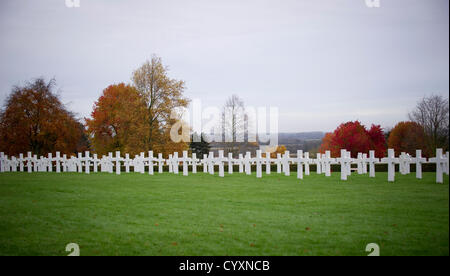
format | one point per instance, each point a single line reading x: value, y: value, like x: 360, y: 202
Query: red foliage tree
x: 34, y: 119
x: 355, y: 138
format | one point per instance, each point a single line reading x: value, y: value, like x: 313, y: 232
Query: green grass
x: 134, y: 214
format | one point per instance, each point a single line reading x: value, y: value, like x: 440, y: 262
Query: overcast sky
x: 321, y: 62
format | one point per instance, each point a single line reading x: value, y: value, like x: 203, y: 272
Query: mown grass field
x: 138, y: 214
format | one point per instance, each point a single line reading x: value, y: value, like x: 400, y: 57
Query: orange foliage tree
x: 118, y: 121
x: 408, y: 137
x: 34, y: 119
x: 355, y: 138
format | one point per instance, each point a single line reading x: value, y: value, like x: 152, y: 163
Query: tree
x: 34, y: 119
x: 162, y: 96
x: 280, y: 149
x: 233, y: 122
x: 408, y: 137
x: 199, y: 148
x: 118, y: 121
x: 432, y: 113
x: 355, y: 138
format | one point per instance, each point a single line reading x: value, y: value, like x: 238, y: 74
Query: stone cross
x: 364, y: 163
x: 204, y: 163
x: 419, y: 160
x: 110, y: 162
x: 259, y: 160
x: 185, y: 161
x: 118, y: 159
x: 194, y: 161
x: 169, y: 163
x: 141, y: 162
x: 241, y: 163
x: 95, y: 163
x: 268, y: 162
x: 344, y: 161
x: 300, y: 160
x: 247, y: 163
x: 150, y: 159
x: 175, y: 162
x: 359, y: 163
x: 64, y: 163
x: 87, y: 162
x: 79, y: 162
x: 372, y: 160
x: 327, y: 161
x: 210, y: 161
x: 230, y: 163
x: 21, y: 160
x: 220, y: 160
x: 286, y: 163
x: 29, y: 167
x: 35, y: 163
x: 307, y: 161
x: 349, y: 164
x: 50, y: 162
x: 278, y: 161
x: 2, y: 161
x: 318, y: 163
x: 390, y: 161
x: 57, y: 162
x: 160, y: 161
x: 439, y: 160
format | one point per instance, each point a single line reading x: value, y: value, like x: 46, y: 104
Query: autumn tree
x: 34, y: 119
x: 118, y: 121
x: 280, y: 149
x: 408, y: 137
x: 432, y: 113
x: 355, y: 138
x: 162, y: 96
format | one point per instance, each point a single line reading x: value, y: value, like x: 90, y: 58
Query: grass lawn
x: 166, y: 214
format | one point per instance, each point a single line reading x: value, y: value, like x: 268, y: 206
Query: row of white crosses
x: 110, y: 163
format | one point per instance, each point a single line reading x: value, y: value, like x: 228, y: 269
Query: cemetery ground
x: 202, y: 214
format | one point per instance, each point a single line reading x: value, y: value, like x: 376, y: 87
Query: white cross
x: 79, y: 162
x: 247, y: 163
x: 175, y: 163
x: 241, y: 163
x: 169, y: 163
x: 160, y: 161
x: 219, y: 160
x: 64, y: 163
x: 419, y: 160
x: 278, y: 161
x: 286, y: 163
x: 29, y: 158
x: 268, y: 162
x: 194, y: 161
x: 359, y: 163
x: 230, y: 163
x: 2, y: 161
x: 439, y: 160
x: 118, y: 159
x: 372, y: 160
x: 21, y: 160
x: 87, y: 162
x: 327, y: 161
x: 318, y: 163
x: 150, y: 160
x: 344, y: 161
x: 185, y: 161
x: 204, y: 163
x: 14, y: 163
x: 364, y: 163
x: 95, y: 162
x: 300, y: 160
x: 58, y: 162
x: 307, y: 161
x: 50, y: 162
x: 391, y: 161
x: 259, y: 160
